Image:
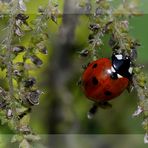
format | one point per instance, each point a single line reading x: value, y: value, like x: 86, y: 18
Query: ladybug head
x: 122, y: 65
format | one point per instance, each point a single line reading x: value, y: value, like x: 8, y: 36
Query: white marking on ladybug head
x: 119, y: 56
x: 130, y: 70
x: 112, y: 69
x: 119, y: 76
x: 109, y: 71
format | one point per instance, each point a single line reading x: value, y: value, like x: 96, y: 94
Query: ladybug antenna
x: 92, y: 111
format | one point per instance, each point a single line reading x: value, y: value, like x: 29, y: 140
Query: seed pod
x: 42, y: 48
x: 18, y: 32
x: 3, y: 94
x: 54, y: 18
x: 106, y: 27
x: 91, y: 38
x: 2, y: 64
x: 113, y: 43
x: 134, y: 46
x: 32, y: 98
x: 16, y: 73
x: 29, y: 82
x: 138, y: 111
x: 9, y: 113
x: 2, y: 104
x: 36, y: 60
x: 133, y: 54
x: 22, y: 5
x: 18, y: 49
x: 98, y: 12
x: 40, y: 9
x: 94, y: 27
x: 98, y: 1
x: 22, y: 17
x: 25, y: 129
x: 88, y: 8
x: 84, y: 53
x: 18, y: 23
x: 44, y: 51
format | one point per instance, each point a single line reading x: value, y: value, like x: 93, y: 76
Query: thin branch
x: 8, y: 59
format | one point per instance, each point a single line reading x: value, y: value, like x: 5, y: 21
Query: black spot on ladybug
x: 95, y: 81
x: 95, y: 65
x: 108, y: 93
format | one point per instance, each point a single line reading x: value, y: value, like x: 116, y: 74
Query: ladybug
x: 105, y: 79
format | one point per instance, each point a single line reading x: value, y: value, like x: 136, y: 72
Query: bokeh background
x: 64, y: 111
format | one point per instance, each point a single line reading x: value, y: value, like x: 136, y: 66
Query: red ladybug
x: 105, y: 79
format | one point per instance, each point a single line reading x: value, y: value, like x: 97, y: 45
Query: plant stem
x: 9, y: 39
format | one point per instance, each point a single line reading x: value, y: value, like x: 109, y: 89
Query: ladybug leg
x: 93, y: 110
x: 104, y: 105
x: 84, y: 66
x: 79, y: 82
x: 95, y: 106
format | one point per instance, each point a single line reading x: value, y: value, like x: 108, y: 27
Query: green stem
x: 10, y: 35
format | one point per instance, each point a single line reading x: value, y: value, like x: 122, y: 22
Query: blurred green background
x: 118, y: 119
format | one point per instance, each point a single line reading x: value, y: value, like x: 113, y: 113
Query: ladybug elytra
x: 105, y: 79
